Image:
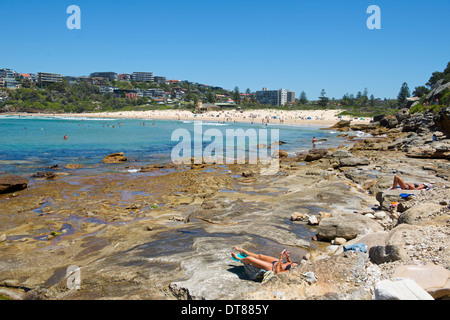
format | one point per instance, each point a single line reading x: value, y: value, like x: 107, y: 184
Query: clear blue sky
x: 291, y: 44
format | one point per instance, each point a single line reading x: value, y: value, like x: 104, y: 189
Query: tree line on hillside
x: 85, y: 97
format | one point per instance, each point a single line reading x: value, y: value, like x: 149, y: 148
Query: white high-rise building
x: 273, y: 97
x: 142, y: 76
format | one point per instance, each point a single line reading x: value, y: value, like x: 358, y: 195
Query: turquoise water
x: 30, y: 144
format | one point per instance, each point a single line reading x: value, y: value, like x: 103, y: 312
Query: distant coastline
x: 270, y: 116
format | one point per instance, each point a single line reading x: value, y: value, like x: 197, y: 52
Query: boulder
x: 353, y: 162
x: 115, y: 158
x: 439, y: 87
x: 11, y: 183
x: 342, y: 126
x: 281, y: 154
x: 442, y: 120
x: 317, y: 154
x: 312, y: 220
x: 394, y: 247
x: 400, y: 289
x: 418, y: 212
x: 432, y: 278
x: 435, y: 151
x: 347, y: 226
x: 418, y: 122
x: 297, y: 216
x: 389, y: 122
x: 403, y: 113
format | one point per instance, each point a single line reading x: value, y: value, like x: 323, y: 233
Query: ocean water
x: 29, y: 144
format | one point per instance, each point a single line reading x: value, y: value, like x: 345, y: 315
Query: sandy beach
x: 300, y: 117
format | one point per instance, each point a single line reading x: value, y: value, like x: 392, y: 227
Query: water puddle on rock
x: 180, y: 241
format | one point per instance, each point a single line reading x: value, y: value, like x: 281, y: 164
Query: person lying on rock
x: 265, y: 262
x: 409, y: 186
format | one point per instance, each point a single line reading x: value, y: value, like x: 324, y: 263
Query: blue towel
x: 361, y: 247
x: 406, y: 195
x: 240, y: 256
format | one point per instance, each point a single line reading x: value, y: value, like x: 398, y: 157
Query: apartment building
x: 142, y: 76
x: 290, y: 96
x: 273, y: 97
x: 45, y: 78
x: 6, y: 73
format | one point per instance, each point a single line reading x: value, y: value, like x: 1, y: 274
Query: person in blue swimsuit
x: 264, y: 262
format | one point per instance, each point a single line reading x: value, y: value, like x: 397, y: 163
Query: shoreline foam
x: 271, y: 116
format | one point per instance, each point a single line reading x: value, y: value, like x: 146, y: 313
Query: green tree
x: 420, y: 91
x: 323, y: 99
x: 403, y: 94
x: 236, y: 95
x: 436, y: 76
x: 211, y: 97
x: 303, y: 99
x: 372, y: 101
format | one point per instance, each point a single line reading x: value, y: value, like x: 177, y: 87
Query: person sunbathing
x: 264, y: 262
x: 398, y: 182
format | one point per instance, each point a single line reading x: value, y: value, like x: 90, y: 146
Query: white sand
x: 300, y: 117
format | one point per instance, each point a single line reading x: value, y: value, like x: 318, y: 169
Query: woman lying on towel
x: 398, y: 182
x: 264, y: 262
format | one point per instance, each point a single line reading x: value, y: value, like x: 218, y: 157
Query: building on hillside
x: 159, y: 79
x: 142, y: 76
x: 124, y: 77
x: 24, y: 76
x: 107, y: 89
x: 131, y: 95
x: 273, y: 97
x: 11, y: 83
x: 111, y: 76
x: 45, y: 78
x: 6, y: 73
x: 98, y: 81
x: 154, y: 93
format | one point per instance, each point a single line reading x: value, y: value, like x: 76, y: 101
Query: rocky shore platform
x: 166, y: 231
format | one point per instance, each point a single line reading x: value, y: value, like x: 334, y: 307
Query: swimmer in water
x: 66, y: 137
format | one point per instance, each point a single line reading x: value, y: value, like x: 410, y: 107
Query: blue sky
x: 292, y: 44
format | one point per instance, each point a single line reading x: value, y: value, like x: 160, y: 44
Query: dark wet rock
x: 317, y: 154
x: 11, y: 183
x: 44, y: 175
